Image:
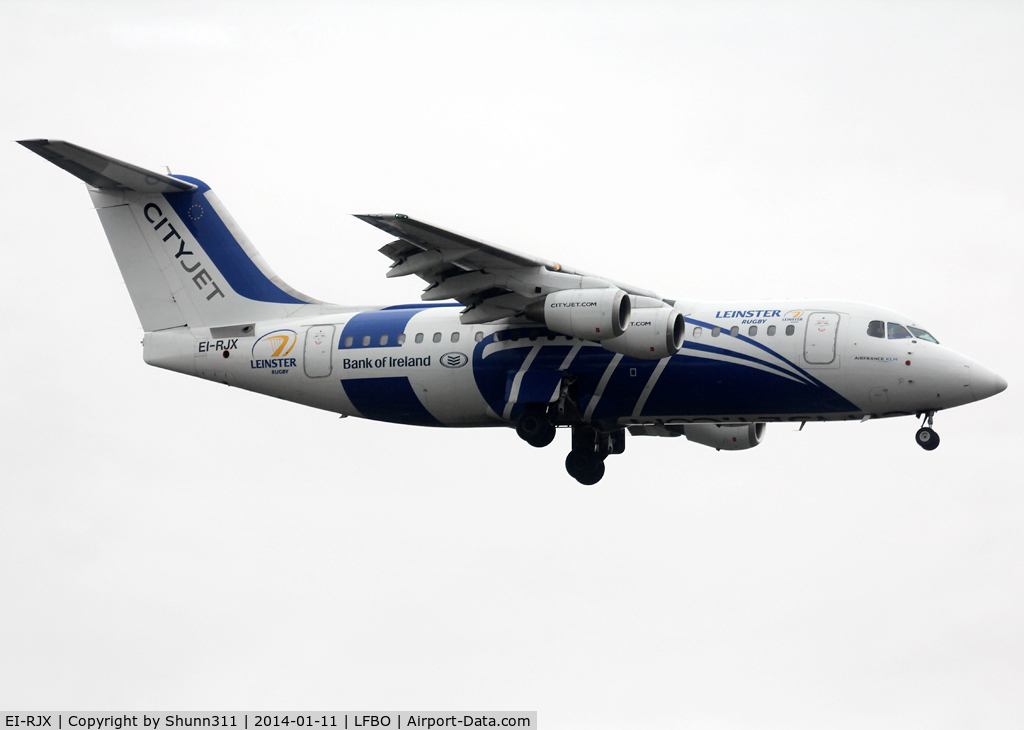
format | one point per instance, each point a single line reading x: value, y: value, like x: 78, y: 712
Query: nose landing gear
x: 926, y: 438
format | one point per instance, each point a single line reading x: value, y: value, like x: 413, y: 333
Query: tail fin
x: 183, y: 258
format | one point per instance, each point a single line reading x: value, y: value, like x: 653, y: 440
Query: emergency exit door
x: 820, y: 340
x: 316, y: 356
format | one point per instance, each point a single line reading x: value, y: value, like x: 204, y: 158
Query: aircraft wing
x: 490, y: 281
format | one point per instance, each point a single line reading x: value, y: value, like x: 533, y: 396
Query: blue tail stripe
x: 227, y: 254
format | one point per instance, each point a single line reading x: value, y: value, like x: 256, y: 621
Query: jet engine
x: 589, y: 314
x: 730, y: 437
x: 655, y: 331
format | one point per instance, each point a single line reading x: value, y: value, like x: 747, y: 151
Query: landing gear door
x: 820, y: 340
x: 316, y: 357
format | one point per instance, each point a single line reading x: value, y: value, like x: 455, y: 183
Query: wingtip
x: 40, y: 142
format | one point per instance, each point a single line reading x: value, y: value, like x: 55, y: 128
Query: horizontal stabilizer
x: 104, y: 172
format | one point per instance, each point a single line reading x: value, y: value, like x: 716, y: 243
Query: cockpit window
x: 876, y: 328
x: 898, y: 332
x: 922, y: 334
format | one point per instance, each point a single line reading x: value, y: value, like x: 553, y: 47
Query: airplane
x: 505, y: 339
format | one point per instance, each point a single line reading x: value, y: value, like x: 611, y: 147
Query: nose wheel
x: 926, y: 437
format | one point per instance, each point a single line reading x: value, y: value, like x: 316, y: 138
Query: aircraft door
x: 316, y: 357
x: 820, y: 340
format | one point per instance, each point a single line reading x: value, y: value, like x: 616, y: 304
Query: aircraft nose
x: 985, y: 383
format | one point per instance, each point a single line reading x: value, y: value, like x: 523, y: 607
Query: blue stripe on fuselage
x: 491, y: 374
x: 391, y: 322
x: 624, y: 389
x: 761, y: 346
x: 690, y: 385
x: 388, y: 399
x: 701, y: 347
x: 697, y: 386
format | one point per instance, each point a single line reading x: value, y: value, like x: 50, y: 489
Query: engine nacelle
x: 730, y: 437
x: 589, y: 314
x: 653, y: 332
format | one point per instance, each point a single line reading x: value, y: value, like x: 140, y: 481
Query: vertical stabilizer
x: 183, y: 258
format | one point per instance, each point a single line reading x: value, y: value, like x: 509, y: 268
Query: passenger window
x: 790, y: 329
x: 876, y: 328
x: 514, y: 335
x: 771, y: 330
x: 734, y: 331
x: 437, y: 337
x: 752, y: 332
x: 383, y: 340
x: 478, y: 337
x: 897, y: 331
x: 568, y: 337
x: 455, y: 336
x: 419, y: 337
x: 922, y: 334
x: 551, y: 336
x: 348, y: 341
x: 697, y: 331
x: 366, y: 340
x: 716, y: 331
x: 401, y: 339
x: 533, y: 335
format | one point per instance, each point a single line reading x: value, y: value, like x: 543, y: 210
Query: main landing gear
x: 926, y: 438
x: 536, y: 428
x: 590, y: 446
x: 586, y: 468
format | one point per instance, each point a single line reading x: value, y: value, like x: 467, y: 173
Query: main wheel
x: 584, y: 467
x: 544, y: 438
x: 927, y: 439
x: 536, y: 429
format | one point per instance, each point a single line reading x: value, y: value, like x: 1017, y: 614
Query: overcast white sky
x: 170, y: 543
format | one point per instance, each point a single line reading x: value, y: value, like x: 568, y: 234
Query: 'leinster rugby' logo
x: 270, y: 352
x: 453, y: 359
x: 274, y: 344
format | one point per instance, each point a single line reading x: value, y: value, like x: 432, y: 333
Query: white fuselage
x: 746, y: 361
